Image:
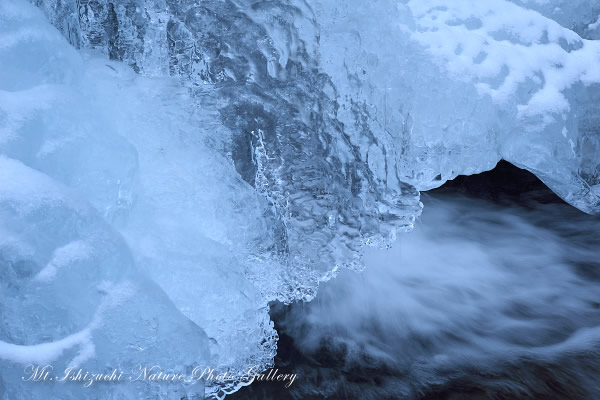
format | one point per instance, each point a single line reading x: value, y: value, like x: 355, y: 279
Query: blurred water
x: 495, y: 295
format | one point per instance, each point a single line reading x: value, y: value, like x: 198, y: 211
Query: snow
x: 474, y: 82
x: 595, y: 25
x: 43, y: 353
x: 61, y: 258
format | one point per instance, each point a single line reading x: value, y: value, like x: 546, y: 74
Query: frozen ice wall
x: 148, y: 222
x: 423, y: 90
x: 204, y: 158
x: 123, y: 238
x: 323, y: 181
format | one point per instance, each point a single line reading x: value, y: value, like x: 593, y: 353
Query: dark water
x: 495, y: 295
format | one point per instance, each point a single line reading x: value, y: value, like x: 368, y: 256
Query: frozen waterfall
x: 169, y: 167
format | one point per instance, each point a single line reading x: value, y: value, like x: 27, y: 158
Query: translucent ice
x: 425, y: 90
x: 192, y: 204
x: 461, y: 85
x: 113, y: 251
x: 212, y: 156
x: 71, y: 295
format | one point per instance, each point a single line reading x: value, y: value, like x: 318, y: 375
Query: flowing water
x: 495, y: 295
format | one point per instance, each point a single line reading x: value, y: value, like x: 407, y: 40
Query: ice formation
x: 168, y: 167
x: 480, y: 310
x: 425, y: 90
x: 463, y: 84
x: 117, y: 186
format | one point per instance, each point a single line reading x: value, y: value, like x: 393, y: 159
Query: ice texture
x: 424, y: 90
x: 581, y: 16
x: 463, y: 84
x: 114, y: 253
x: 326, y: 184
x: 171, y: 166
x: 72, y: 297
x: 148, y: 222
